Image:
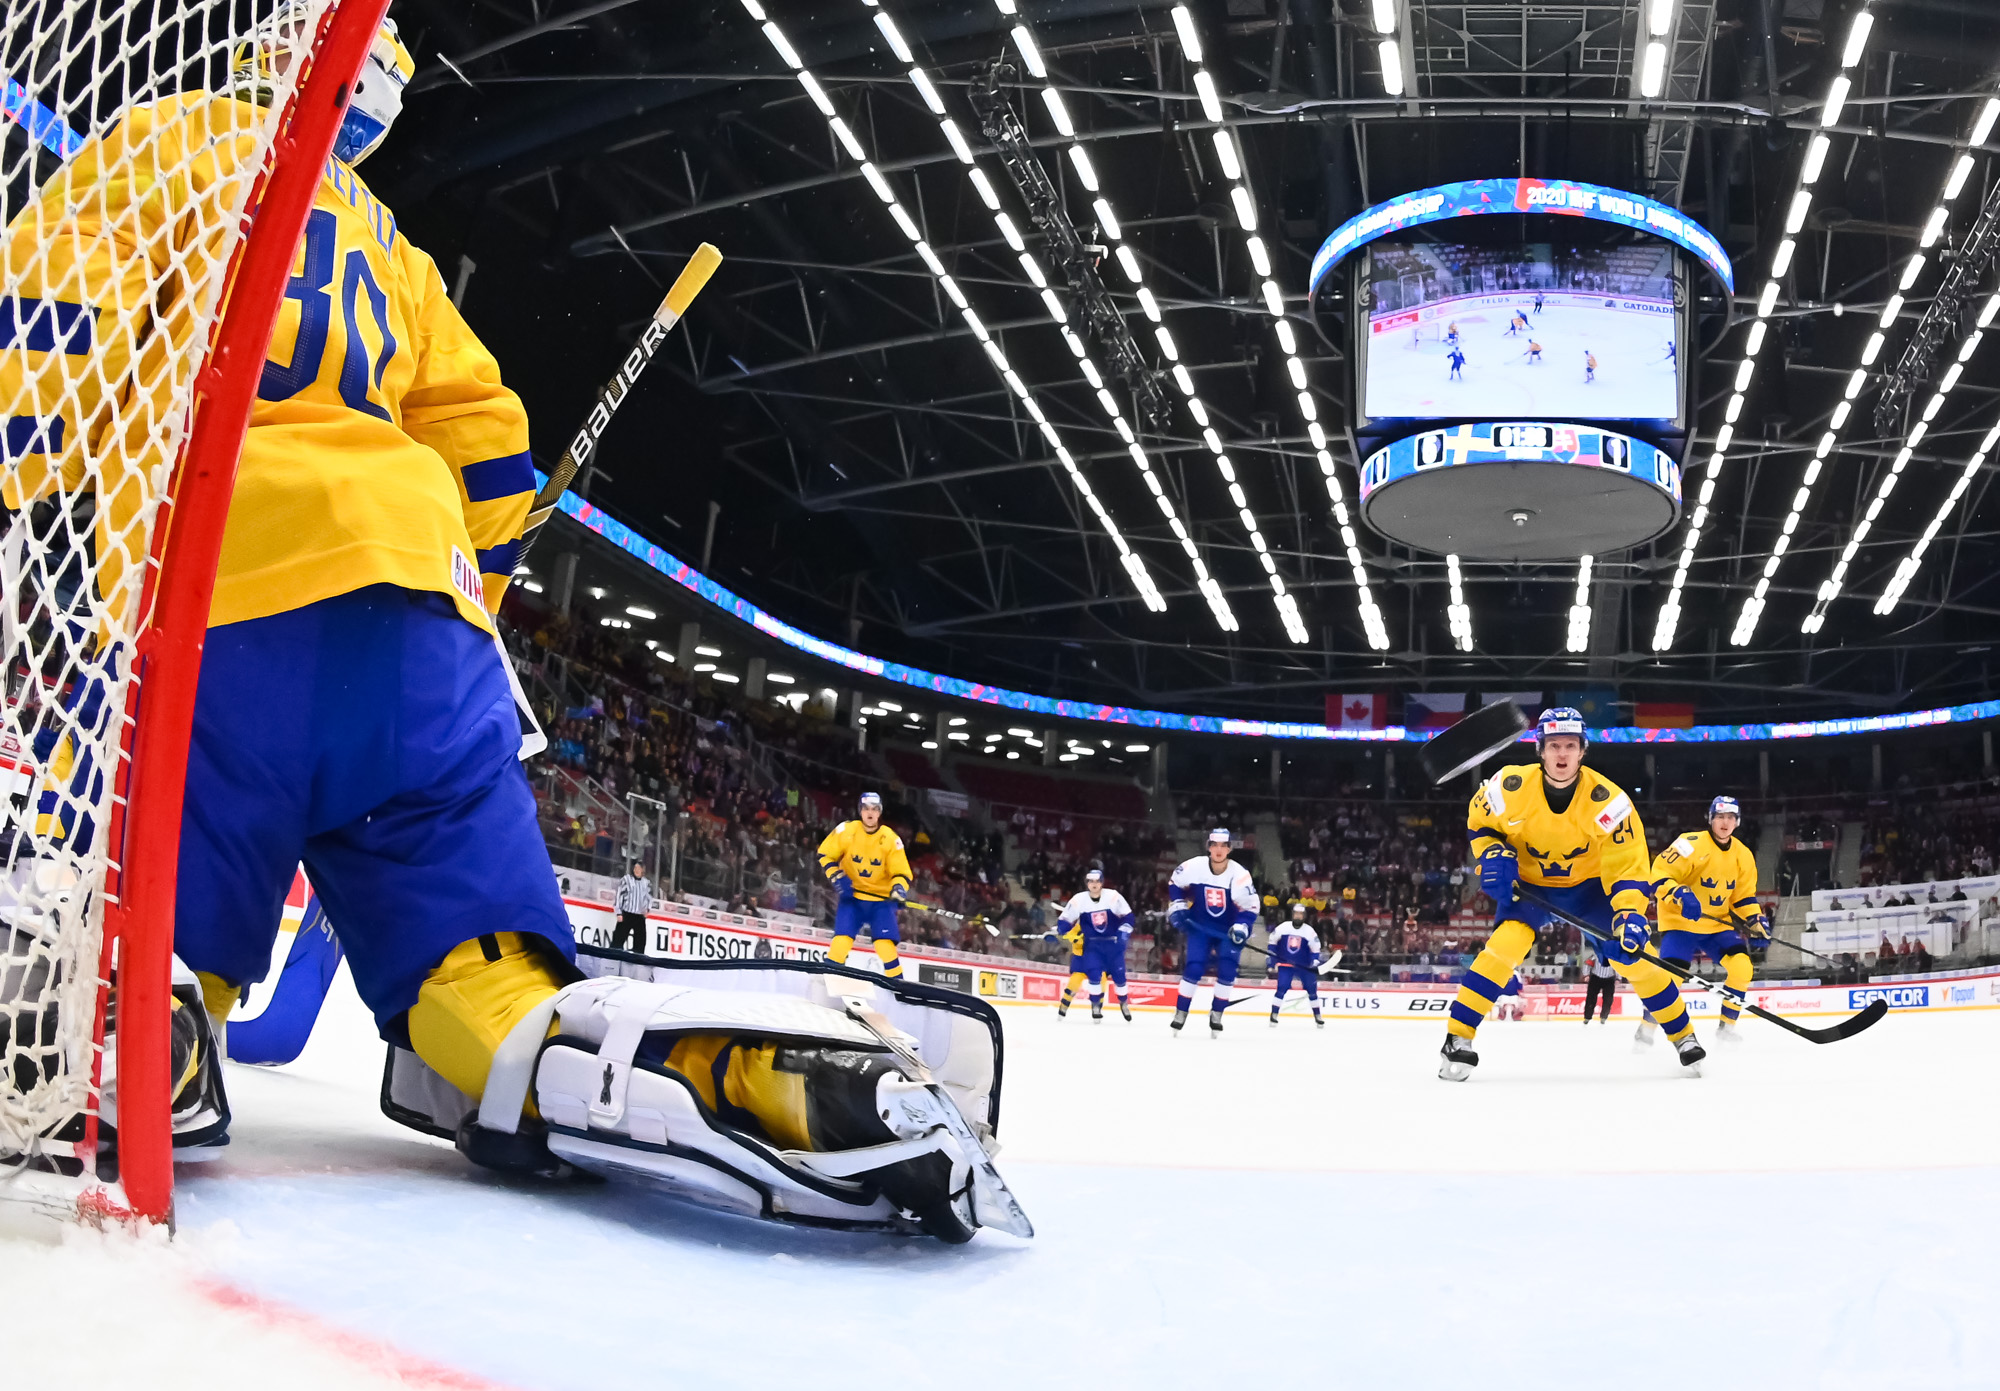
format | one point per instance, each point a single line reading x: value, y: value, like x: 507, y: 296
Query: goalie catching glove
x: 794, y: 1101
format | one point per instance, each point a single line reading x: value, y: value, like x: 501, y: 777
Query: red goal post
x: 101, y: 679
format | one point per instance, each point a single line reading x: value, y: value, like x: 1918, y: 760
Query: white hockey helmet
x: 1219, y: 836
x: 378, y: 96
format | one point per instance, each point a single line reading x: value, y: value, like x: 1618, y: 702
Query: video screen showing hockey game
x: 1559, y: 332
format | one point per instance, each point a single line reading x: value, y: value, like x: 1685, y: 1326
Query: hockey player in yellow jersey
x: 871, y: 876
x: 1575, y: 836
x: 353, y: 709
x: 1706, y: 884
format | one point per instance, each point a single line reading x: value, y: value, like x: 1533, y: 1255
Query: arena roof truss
x: 1052, y: 410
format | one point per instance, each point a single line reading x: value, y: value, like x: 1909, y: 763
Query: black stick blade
x: 1473, y: 740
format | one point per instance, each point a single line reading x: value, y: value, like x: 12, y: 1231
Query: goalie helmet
x: 1561, y: 719
x: 377, y: 98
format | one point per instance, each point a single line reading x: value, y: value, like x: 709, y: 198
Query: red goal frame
x: 145, y: 826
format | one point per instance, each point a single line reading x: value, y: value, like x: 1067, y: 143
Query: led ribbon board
x: 655, y: 558
x: 1459, y: 491
x: 1557, y: 197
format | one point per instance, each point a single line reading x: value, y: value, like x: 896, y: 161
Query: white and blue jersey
x: 1294, y: 949
x: 1205, y: 905
x: 1106, y: 916
x: 1106, y: 921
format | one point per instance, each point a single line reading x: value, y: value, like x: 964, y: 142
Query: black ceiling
x: 879, y: 484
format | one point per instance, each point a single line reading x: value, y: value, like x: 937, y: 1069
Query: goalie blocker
x: 776, y: 1090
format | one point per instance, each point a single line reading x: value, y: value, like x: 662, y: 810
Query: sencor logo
x: 1898, y: 996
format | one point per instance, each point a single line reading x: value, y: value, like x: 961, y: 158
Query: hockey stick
x: 614, y: 393
x: 1769, y: 938
x: 1846, y: 1028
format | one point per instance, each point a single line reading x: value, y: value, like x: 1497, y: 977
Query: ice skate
x: 1215, y: 1025
x: 1274, y: 1019
x: 1730, y: 1033
x: 1459, y: 1059
x: 1691, y: 1053
x: 1125, y: 1008
x: 1643, y: 1038
x: 1097, y: 1011
x: 1319, y: 1021
x: 1062, y: 1009
x: 1180, y: 1020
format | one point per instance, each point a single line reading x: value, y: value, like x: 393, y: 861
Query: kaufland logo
x: 1898, y: 996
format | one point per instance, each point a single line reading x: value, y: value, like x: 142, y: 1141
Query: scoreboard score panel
x: 1521, y: 490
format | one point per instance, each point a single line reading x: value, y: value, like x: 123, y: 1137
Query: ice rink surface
x: 1277, y: 1207
x: 1635, y: 381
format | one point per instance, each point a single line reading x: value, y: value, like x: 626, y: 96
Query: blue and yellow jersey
x: 1597, y: 835
x: 872, y: 861
x: 1724, y: 875
x: 383, y: 447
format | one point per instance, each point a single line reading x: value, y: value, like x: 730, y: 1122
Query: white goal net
x: 137, y: 137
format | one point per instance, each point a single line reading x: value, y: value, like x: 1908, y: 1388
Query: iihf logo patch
x: 1215, y: 896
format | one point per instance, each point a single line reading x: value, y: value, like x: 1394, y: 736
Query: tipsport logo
x: 1898, y: 996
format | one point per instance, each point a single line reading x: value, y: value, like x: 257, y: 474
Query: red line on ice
x: 380, y: 1357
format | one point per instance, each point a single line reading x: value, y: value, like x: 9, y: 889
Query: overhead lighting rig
x: 1102, y: 324
x: 1944, y: 319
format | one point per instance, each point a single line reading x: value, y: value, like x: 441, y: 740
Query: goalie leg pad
x: 764, y: 1104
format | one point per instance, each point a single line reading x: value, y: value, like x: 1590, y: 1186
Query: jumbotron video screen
x: 1586, y: 333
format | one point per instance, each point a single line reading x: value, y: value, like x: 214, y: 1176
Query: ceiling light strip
x: 1810, y: 168
x: 1830, y: 588
x: 1906, y: 568
x: 1084, y: 170
x: 1579, y: 609
x: 1458, y: 613
x: 1134, y: 566
x: 1245, y: 204
x: 1031, y: 266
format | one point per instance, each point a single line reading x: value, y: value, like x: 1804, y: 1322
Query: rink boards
x: 683, y: 932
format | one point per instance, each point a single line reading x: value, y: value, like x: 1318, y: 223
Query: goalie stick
x: 614, y: 393
x: 1846, y: 1028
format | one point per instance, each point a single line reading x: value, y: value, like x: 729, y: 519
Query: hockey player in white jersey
x: 1212, y: 902
x: 1106, y: 920
x: 1294, y: 949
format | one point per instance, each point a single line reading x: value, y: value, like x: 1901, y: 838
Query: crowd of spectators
x: 730, y: 798
x: 1916, y: 840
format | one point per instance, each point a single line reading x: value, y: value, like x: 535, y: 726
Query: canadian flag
x: 1357, y: 711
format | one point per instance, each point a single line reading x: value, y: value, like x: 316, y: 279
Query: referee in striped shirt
x: 634, y: 897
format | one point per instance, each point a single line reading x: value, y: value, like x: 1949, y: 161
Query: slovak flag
x: 1433, y: 709
x: 1357, y: 711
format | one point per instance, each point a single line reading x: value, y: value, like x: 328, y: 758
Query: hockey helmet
x: 1561, y: 719
x: 1298, y: 909
x: 1219, y: 836
x: 377, y: 97
x: 1724, y: 806
x: 867, y: 800
x: 1093, y: 876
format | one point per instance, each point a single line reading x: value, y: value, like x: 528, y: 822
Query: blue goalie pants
x: 373, y: 737
x: 1202, y: 948
x: 1103, y: 956
x: 867, y: 917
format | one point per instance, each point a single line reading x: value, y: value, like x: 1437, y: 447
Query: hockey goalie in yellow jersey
x: 354, y: 711
x: 1575, y: 836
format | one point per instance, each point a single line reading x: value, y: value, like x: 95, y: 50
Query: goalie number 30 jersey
x: 382, y: 449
